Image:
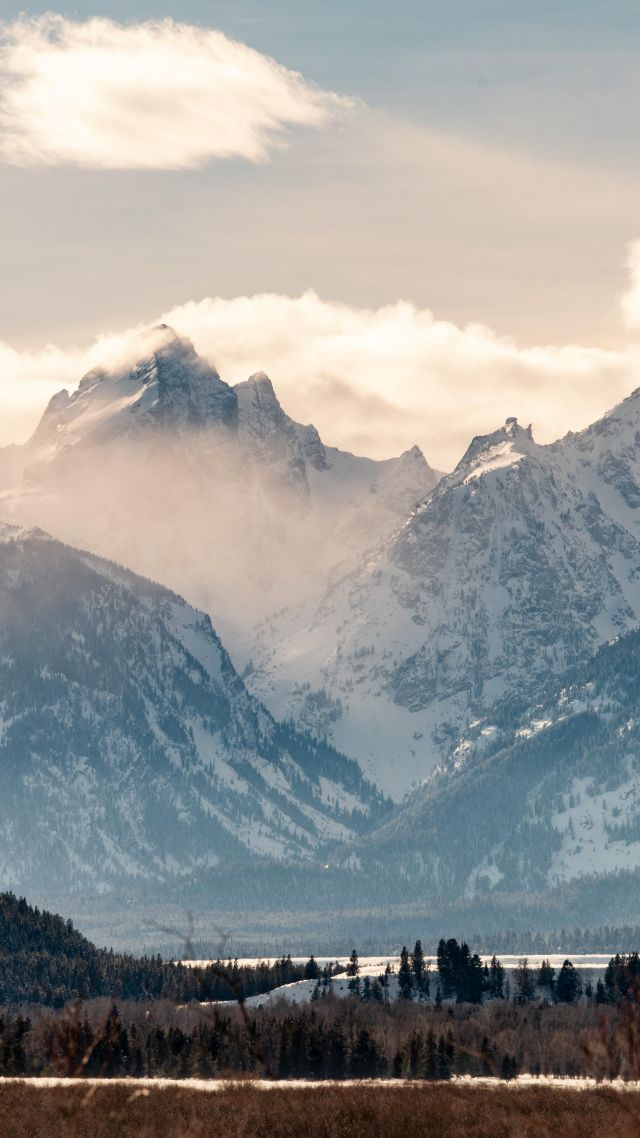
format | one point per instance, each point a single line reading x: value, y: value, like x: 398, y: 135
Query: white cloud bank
x: 372, y: 381
x: 154, y: 95
x: 378, y: 381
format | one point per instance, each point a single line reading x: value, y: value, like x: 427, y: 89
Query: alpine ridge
x: 542, y: 796
x: 130, y: 749
x: 514, y: 567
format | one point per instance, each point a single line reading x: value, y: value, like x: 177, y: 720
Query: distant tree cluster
x: 603, y: 938
x: 44, y: 960
x: 328, y: 1039
x: 338, y: 1039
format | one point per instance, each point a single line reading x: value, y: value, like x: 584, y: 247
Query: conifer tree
x: 568, y: 984
x: 524, y: 982
x: 546, y: 979
x: 431, y: 1062
x: 353, y: 967
x: 397, y: 1068
x: 444, y: 1059
x: 416, y: 1055
x: 336, y: 1052
x: 418, y: 966
x: 311, y: 969
x: 405, y: 975
x: 496, y: 979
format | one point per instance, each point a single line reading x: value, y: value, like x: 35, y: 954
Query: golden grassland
x: 379, y: 1110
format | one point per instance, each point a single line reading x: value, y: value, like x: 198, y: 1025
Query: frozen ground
x: 374, y: 965
x: 144, y: 1086
x: 300, y: 991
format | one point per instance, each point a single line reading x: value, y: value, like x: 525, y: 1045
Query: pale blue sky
x: 560, y: 76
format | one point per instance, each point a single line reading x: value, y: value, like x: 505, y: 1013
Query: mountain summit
x: 497, y: 451
x: 163, y: 383
x: 516, y: 566
x: 157, y: 462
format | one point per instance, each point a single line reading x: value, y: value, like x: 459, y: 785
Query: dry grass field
x: 365, y: 1111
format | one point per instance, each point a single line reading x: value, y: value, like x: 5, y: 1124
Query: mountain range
x: 464, y: 643
x: 517, y: 565
x: 157, y: 463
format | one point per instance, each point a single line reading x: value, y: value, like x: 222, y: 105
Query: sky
x: 418, y: 216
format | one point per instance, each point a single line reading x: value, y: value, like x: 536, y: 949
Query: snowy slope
x: 130, y: 750
x: 519, y: 563
x: 156, y: 462
x: 531, y: 796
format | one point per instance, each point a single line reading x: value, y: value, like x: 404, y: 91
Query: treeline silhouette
x: 327, y: 1039
x: 604, y: 938
x: 44, y: 960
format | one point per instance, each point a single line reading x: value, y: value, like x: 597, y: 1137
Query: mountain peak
x: 53, y: 414
x: 413, y: 457
x: 256, y: 397
x: 502, y: 448
x: 258, y: 391
x: 513, y: 429
x: 156, y: 378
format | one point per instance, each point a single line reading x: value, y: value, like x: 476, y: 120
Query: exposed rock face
x: 531, y: 797
x: 130, y: 749
x: 518, y: 564
x: 269, y: 434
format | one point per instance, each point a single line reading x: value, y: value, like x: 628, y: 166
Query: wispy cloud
x: 153, y: 95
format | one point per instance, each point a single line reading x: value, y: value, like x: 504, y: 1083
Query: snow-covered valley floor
x: 374, y: 965
x: 212, y: 1085
x: 591, y: 966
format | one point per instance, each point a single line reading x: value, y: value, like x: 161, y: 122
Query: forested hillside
x: 535, y: 797
x: 44, y: 960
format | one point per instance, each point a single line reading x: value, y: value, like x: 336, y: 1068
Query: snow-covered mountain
x: 532, y: 797
x: 130, y: 749
x: 156, y: 462
x: 518, y: 564
x: 368, y: 601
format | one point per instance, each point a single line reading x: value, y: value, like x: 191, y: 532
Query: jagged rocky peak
x: 156, y: 378
x: 10, y: 532
x: 53, y: 415
x: 269, y: 431
x: 261, y: 380
x: 187, y: 387
x: 414, y: 460
x: 502, y: 448
x: 258, y: 404
x: 406, y: 480
x: 260, y: 414
x: 414, y: 453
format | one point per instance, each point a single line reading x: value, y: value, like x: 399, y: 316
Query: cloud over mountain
x: 153, y: 95
x: 373, y: 381
x: 379, y: 380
